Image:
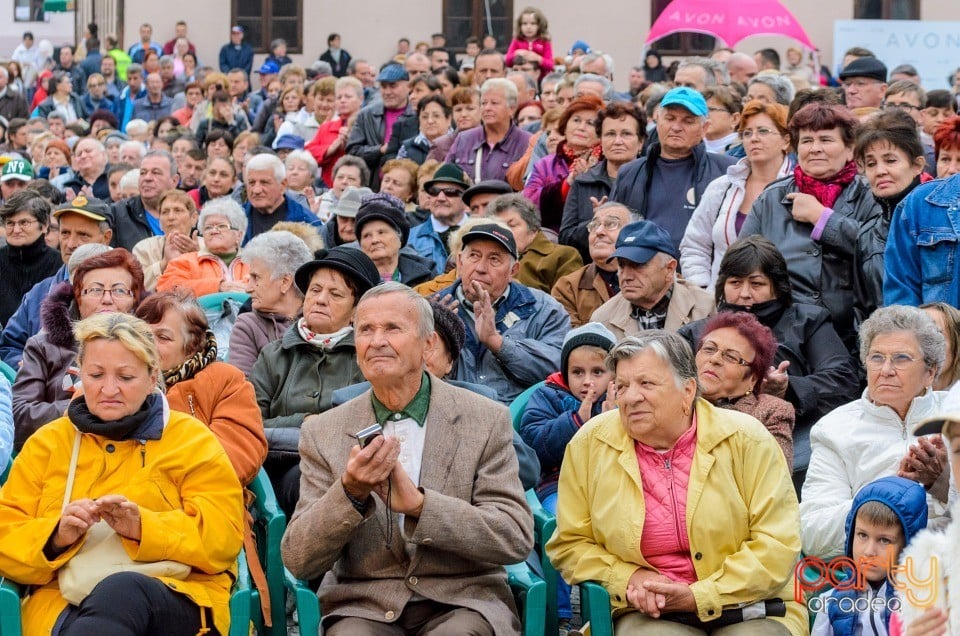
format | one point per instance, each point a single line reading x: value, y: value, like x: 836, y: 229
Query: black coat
x: 130, y: 224
x: 22, y: 268
x: 339, y: 70
x: 415, y: 269
x: 578, y: 210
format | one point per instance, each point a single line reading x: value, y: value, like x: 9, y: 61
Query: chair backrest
x: 8, y: 372
x: 519, y: 405
x: 212, y: 302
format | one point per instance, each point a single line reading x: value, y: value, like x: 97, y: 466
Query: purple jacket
x: 545, y: 188
x: 496, y: 160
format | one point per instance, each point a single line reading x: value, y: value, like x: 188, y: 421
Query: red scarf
x: 826, y: 191
x: 569, y: 156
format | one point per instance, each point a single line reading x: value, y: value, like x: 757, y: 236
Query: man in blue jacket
x: 237, y: 53
x: 267, y: 204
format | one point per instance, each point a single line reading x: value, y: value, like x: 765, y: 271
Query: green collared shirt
x: 416, y: 410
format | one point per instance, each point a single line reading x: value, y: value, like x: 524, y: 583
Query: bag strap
x: 68, y: 491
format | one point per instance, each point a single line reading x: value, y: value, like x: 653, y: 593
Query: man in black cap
x: 483, y: 192
x: 431, y: 238
x: 864, y: 82
x: 514, y: 333
x: 651, y: 296
x: 370, y: 134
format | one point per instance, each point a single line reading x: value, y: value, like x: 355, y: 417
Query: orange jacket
x: 201, y: 272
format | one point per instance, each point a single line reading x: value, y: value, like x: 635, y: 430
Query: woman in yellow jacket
x: 684, y: 512
x: 159, y: 480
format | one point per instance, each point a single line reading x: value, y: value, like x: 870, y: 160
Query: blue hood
x: 906, y: 498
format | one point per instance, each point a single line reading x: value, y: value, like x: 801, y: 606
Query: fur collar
x: 924, y: 547
x: 57, y: 315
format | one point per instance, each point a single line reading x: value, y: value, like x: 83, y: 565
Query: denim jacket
x: 921, y: 263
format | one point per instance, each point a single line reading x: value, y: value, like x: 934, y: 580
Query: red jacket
x: 326, y: 135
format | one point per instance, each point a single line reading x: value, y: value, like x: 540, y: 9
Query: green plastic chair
x: 8, y: 372
x: 595, y: 607
x: 530, y: 592
x: 519, y: 405
x: 243, y: 601
x: 544, y: 524
x: 212, y: 302
x: 9, y: 608
x: 308, y: 605
x: 269, y: 524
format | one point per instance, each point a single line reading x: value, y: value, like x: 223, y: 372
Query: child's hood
x: 905, y: 497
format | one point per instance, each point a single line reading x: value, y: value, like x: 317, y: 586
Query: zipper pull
x: 143, y: 453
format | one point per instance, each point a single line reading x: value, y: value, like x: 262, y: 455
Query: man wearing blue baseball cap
x: 371, y: 133
x: 651, y: 296
x: 665, y: 186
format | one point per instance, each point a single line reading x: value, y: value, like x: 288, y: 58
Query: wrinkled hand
x: 776, y: 380
x: 806, y: 208
x: 610, y: 398
x: 596, y: 203
x: 183, y: 243
x: 678, y: 597
x: 449, y: 301
x: 232, y: 286
x: 312, y: 199
x: 122, y: 515
x: 925, y: 461
x: 586, y: 406
x: 933, y: 622
x: 405, y: 497
x: 369, y: 467
x: 643, y: 600
x: 485, y: 323
x: 78, y: 517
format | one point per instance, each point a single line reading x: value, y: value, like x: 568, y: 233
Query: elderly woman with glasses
x: 217, y: 266
x: 683, y: 511
x: 869, y: 438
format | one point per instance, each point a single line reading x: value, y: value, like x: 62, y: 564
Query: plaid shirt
x: 654, y: 318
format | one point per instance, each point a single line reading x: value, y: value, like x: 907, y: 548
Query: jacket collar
x: 945, y: 193
x: 292, y: 339
x: 540, y: 245
x: 57, y: 313
x: 922, y: 406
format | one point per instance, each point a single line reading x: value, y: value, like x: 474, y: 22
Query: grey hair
x: 555, y: 77
x: 524, y: 207
x: 530, y: 83
x: 608, y: 92
x: 265, y: 161
x: 710, y: 69
x: 132, y: 143
x: 305, y: 157
x: 165, y: 155
x: 283, y: 252
x: 166, y: 60
x: 355, y: 162
x: 224, y: 206
x: 589, y: 58
x: 508, y: 88
x: 933, y: 346
x: 136, y: 126
x: 672, y: 348
x: 781, y: 86
x: 632, y: 214
x: 425, y: 324
x: 348, y: 81
x: 82, y: 253
x: 130, y: 179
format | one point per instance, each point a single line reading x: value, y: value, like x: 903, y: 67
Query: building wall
x: 58, y: 28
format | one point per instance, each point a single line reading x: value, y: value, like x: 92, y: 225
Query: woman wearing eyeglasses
x: 902, y: 350
x: 727, y: 200
x: 49, y: 378
x: 217, y: 266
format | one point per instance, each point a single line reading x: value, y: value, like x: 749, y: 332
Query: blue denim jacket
x: 921, y: 264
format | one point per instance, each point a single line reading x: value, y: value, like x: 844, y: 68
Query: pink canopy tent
x: 729, y: 20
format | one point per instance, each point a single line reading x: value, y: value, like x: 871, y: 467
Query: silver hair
x: 781, y: 86
x: 166, y: 156
x: 82, y: 253
x: 130, y: 179
x: 633, y: 216
x: 608, y: 92
x: 530, y: 83
x: 673, y: 349
x: 555, y: 77
x: 283, y: 252
x: 226, y: 207
x: 589, y: 58
x: 166, y: 60
x: 265, y: 161
x: 504, y: 85
x: 915, y: 321
x: 348, y: 81
x: 524, y: 207
x: 136, y: 126
x: 425, y: 324
x: 710, y: 69
x: 305, y: 157
x: 134, y: 144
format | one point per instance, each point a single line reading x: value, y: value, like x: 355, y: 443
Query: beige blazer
x: 474, y: 518
x: 687, y: 304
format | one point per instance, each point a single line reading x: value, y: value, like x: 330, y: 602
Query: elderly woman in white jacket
x: 727, y: 200
x: 869, y: 438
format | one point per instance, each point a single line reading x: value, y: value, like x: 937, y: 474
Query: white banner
x: 932, y: 47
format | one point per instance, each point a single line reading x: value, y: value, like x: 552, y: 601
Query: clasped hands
x: 372, y: 469
x: 654, y: 594
x: 79, y: 516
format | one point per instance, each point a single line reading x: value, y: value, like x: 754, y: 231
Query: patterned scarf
x: 592, y: 155
x: 826, y: 191
x: 192, y: 365
x: 324, y: 341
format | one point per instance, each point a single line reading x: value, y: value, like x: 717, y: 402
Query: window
x: 266, y: 20
x: 886, y: 9
x: 463, y: 18
x: 686, y: 43
x: 28, y: 11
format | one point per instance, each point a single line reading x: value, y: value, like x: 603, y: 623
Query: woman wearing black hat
x: 294, y: 377
x: 382, y: 230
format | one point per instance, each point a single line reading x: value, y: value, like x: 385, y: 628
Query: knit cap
x: 591, y: 334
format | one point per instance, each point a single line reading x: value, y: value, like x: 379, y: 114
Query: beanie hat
x: 387, y: 208
x: 62, y: 146
x: 592, y: 334
x: 449, y: 326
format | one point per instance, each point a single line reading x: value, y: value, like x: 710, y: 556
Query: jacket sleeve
x: 573, y: 223
x: 529, y: 464
x: 16, y: 332
x: 495, y: 526
x: 765, y: 559
x: 184, y: 272
x: 548, y: 425
x: 6, y: 422
x: 834, y: 379
x: 243, y: 349
x: 237, y: 423
x: 225, y: 59
x: 511, y: 52
x: 696, y: 247
x: 827, y: 494
x: 564, y: 292
x: 841, y: 233
x: 151, y: 266
x: 31, y: 410
x: 903, y: 280
x: 357, y: 143
x: 267, y: 380
x: 546, y: 64
x: 538, y: 180
x: 528, y: 360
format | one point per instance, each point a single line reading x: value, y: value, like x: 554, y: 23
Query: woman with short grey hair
x: 737, y: 536
x: 770, y: 88
x: 869, y: 438
x: 273, y: 258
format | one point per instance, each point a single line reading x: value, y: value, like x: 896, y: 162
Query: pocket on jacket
x: 938, y: 251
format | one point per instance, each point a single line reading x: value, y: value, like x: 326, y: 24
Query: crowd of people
x: 726, y: 298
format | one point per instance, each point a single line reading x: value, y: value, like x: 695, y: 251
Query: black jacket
x: 339, y: 70
x: 130, y: 224
x: 415, y: 269
x: 13, y: 104
x: 578, y: 210
x: 22, y: 268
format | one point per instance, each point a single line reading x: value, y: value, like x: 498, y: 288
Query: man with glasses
x: 651, y: 296
x: 133, y: 91
x: 431, y: 239
x: 96, y: 97
x: 864, y: 82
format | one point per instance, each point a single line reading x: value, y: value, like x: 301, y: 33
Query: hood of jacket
x: 57, y: 315
x: 905, y: 497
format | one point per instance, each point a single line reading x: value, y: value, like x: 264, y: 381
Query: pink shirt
x: 389, y: 117
x: 665, y: 543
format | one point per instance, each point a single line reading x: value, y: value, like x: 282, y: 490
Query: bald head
x: 741, y: 67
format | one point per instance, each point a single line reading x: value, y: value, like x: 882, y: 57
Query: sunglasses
x: 450, y: 192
